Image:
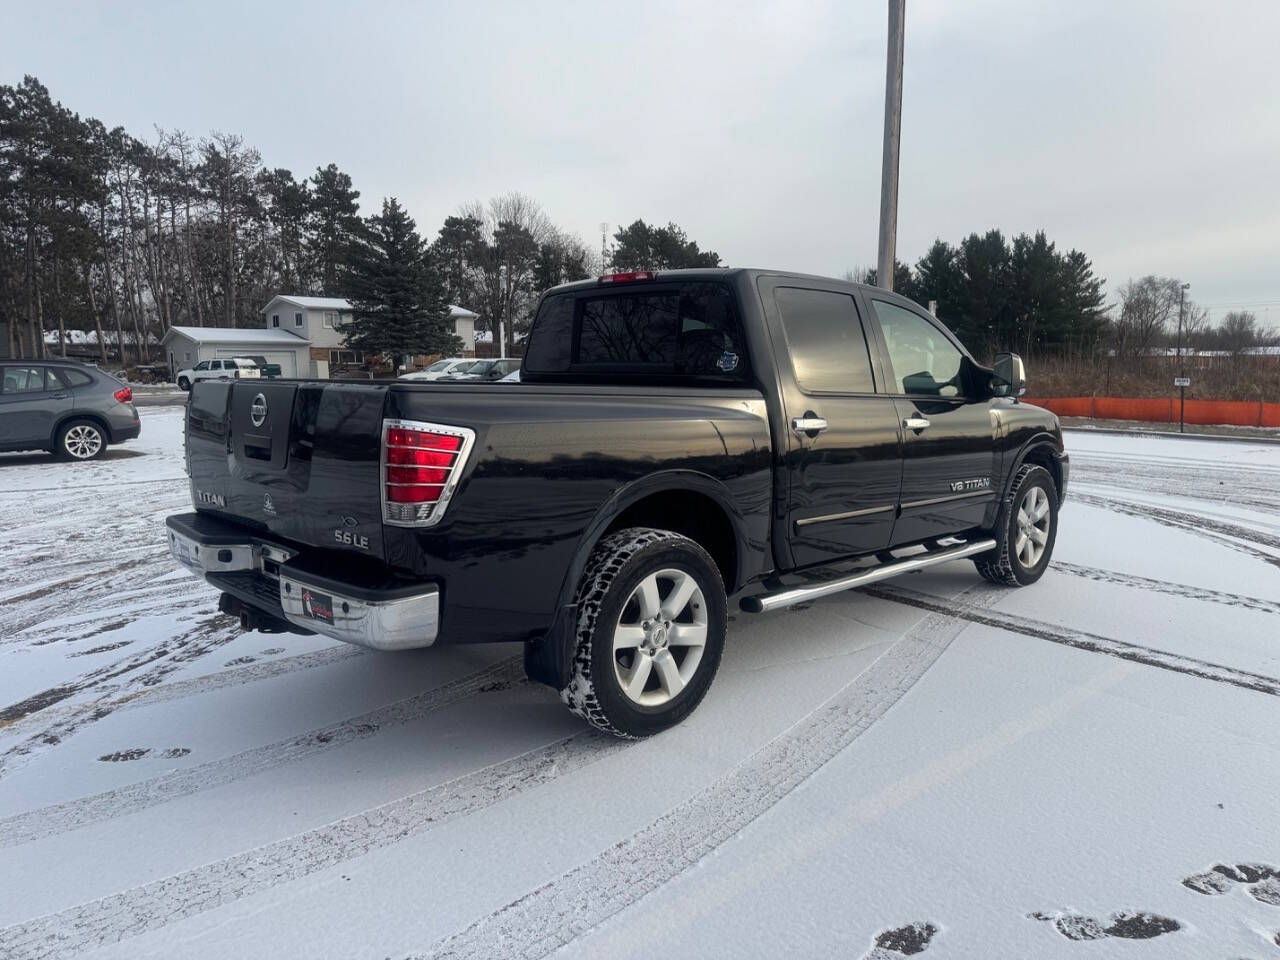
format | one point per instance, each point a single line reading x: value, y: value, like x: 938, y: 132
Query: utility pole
x: 892, y: 141
x: 1182, y: 367
x: 604, y: 246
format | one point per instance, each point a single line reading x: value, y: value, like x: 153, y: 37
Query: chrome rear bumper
x: 379, y: 619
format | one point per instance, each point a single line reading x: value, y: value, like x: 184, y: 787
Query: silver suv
x: 71, y: 410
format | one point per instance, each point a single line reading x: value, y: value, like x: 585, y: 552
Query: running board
x: 764, y: 602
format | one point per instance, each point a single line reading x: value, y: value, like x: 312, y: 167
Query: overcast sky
x: 1146, y: 134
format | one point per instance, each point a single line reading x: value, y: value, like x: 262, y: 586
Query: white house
x: 186, y: 346
x: 319, y: 320
x: 302, y: 334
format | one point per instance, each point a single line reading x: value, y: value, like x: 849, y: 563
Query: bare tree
x: 1146, y: 308
x: 1238, y: 332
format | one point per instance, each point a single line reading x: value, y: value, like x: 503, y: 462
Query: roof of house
x: 281, y: 338
x: 339, y: 303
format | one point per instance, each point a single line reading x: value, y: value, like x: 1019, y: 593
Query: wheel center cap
x: 655, y: 637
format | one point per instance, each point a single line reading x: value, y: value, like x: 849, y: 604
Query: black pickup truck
x: 678, y: 438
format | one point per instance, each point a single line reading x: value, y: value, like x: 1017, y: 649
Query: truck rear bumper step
x: 380, y: 620
x: 764, y: 602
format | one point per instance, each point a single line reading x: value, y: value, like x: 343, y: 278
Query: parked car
x: 487, y: 370
x: 440, y: 368
x: 269, y: 370
x: 227, y: 368
x: 65, y: 407
x: 679, y: 438
x: 512, y: 377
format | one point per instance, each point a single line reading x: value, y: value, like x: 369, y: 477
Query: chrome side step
x: 764, y: 602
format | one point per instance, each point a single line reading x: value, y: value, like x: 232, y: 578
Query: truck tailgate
x: 297, y: 458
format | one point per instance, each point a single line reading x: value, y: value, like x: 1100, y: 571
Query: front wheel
x: 651, y: 625
x: 1026, y: 531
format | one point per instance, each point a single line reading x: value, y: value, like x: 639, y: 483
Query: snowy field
x: 1087, y: 767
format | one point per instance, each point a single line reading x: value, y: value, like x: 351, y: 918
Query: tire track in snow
x: 554, y: 915
x: 131, y: 798
x: 1082, y: 640
x: 161, y: 902
x: 1228, y: 534
x: 209, y: 633
x: 1172, y: 589
x: 71, y: 716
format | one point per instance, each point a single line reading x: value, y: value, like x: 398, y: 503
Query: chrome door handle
x: 915, y: 423
x: 808, y: 424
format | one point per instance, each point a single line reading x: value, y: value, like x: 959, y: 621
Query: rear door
x: 843, y: 458
x: 28, y: 411
x: 949, y: 444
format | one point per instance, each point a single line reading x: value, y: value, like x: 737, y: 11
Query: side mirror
x: 1009, y: 377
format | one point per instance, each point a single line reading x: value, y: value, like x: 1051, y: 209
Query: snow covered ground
x: 930, y: 764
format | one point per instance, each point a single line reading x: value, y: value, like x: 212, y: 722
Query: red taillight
x: 628, y: 277
x: 417, y: 474
x: 124, y: 394
x: 421, y: 462
x: 408, y: 456
x: 401, y: 437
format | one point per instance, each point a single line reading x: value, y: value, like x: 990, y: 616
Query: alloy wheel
x: 1034, y: 517
x: 83, y: 441
x: 660, y: 637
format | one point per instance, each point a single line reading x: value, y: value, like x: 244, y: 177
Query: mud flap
x: 549, y: 659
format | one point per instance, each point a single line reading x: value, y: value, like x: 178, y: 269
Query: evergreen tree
x: 642, y: 247
x: 335, y: 225
x: 938, y: 277
x: 456, y: 253
x: 983, y: 315
x: 397, y: 297
x: 288, y: 203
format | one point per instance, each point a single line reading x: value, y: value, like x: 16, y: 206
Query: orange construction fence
x: 1240, y: 413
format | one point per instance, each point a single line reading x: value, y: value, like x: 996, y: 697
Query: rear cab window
x: 825, y: 340
x: 683, y: 330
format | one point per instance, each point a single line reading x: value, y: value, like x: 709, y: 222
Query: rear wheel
x: 1025, y: 532
x: 651, y: 625
x: 184, y: 383
x: 81, y: 440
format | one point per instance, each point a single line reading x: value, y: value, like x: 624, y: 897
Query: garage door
x: 287, y: 359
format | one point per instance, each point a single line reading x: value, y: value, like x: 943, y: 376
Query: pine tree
x: 335, y: 226
x: 398, y: 300
x: 642, y: 247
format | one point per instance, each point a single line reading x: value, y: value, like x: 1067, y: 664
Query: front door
x: 842, y: 461
x: 949, y: 454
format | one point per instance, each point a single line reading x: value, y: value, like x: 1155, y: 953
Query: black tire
x: 184, y: 383
x: 1003, y: 565
x: 80, y: 440
x: 613, y: 573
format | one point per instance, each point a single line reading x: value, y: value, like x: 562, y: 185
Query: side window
x: 825, y: 338
x: 275, y: 319
x: 74, y: 378
x: 297, y: 319
x: 54, y: 379
x: 202, y: 365
x: 215, y: 364
x: 23, y: 380
x: 925, y: 363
